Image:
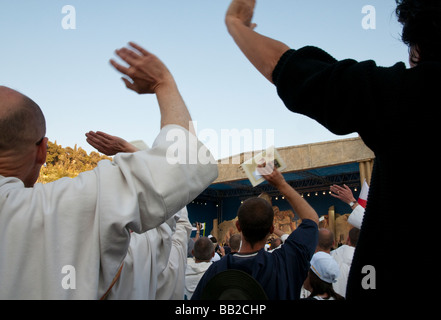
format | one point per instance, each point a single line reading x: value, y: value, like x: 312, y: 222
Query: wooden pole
x: 331, y: 220
x: 366, y: 170
x: 215, y: 231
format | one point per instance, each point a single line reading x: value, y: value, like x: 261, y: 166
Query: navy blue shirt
x: 281, y: 273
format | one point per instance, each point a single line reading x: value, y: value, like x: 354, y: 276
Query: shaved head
x: 22, y: 122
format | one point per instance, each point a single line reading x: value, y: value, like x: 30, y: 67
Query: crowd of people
x: 122, y: 230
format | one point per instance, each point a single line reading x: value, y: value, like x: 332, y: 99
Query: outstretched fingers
x: 128, y: 55
x: 119, y: 67
x: 139, y: 48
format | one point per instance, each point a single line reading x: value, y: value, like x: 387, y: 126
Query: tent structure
x: 310, y: 169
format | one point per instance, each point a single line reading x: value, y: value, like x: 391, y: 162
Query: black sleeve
x: 301, y: 244
x: 344, y: 96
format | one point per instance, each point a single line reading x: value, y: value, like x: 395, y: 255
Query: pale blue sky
x: 67, y: 71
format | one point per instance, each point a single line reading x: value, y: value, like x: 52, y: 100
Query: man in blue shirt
x: 282, y: 272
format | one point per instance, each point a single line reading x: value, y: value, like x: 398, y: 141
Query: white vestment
x: 155, y: 263
x: 356, y: 217
x: 343, y: 255
x: 68, y: 239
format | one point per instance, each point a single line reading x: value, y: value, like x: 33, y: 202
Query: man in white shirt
x: 203, y: 253
x: 68, y: 239
x: 344, y: 255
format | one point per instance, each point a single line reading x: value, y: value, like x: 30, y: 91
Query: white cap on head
x: 325, y: 267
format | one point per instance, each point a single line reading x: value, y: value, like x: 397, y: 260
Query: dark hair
x: 203, y: 249
x: 354, y: 233
x: 235, y: 242
x: 421, y: 20
x: 321, y: 287
x: 255, y: 218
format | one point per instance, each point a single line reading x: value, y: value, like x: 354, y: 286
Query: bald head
x: 325, y: 240
x: 22, y: 122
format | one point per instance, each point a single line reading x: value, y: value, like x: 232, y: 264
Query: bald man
x: 23, y: 145
x: 325, y: 240
x: 68, y: 239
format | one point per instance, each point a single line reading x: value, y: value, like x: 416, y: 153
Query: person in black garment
x: 394, y: 110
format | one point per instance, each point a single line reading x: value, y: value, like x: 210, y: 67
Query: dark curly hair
x: 421, y: 20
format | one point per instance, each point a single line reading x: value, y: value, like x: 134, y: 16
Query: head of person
x: 203, y: 250
x: 421, y: 20
x: 213, y: 239
x: 255, y: 220
x: 323, y: 273
x: 234, y: 242
x: 23, y: 146
x: 353, y: 235
x: 325, y: 240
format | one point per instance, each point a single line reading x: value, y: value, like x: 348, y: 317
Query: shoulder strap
x: 105, y: 295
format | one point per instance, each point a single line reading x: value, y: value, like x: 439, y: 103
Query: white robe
x: 68, y: 239
x: 193, y: 274
x: 171, y: 282
x: 343, y: 255
x: 356, y: 217
x: 155, y: 263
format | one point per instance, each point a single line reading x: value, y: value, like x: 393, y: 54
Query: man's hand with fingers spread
x: 146, y: 72
x: 343, y: 193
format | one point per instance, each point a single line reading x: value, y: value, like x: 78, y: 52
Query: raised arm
x: 171, y: 281
x: 263, y: 52
x: 300, y: 205
x: 147, y: 74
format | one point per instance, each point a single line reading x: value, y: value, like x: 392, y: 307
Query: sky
x: 67, y: 71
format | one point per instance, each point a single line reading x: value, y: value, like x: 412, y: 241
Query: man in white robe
x: 171, y: 281
x: 68, y: 239
x: 154, y: 267
x: 344, y: 255
x: 156, y: 260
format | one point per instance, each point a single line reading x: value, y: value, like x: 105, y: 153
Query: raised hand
x: 146, y: 72
x: 242, y: 10
x: 343, y: 193
x: 108, y: 144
